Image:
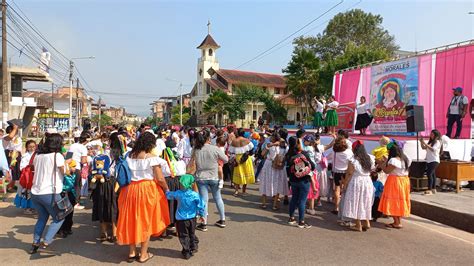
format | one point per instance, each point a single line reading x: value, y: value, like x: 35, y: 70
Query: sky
x: 141, y: 45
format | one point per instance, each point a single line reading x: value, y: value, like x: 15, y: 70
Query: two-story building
x: 211, y: 77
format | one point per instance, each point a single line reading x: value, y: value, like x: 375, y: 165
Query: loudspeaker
x: 415, y: 118
x: 417, y: 169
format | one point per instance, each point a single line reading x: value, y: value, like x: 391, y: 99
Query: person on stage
x: 363, y: 116
x: 331, y: 119
x: 318, y: 121
x: 456, y: 112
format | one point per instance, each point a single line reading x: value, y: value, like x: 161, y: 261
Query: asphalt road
x: 253, y: 237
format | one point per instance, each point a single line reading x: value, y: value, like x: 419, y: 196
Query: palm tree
x: 217, y: 104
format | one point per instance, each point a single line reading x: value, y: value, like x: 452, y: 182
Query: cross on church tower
x: 208, y: 26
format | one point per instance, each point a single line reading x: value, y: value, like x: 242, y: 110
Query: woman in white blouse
x: 395, y: 200
x: 363, y: 117
x: 331, y: 120
x: 433, y: 149
x: 143, y: 207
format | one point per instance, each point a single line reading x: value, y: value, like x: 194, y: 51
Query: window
x: 210, y: 52
x: 200, y: 88
x: 208, y: 89
x: 254, y: 116
x: 200, y: 72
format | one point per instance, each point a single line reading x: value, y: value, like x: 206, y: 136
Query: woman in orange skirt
x: 395, y: 200
x: 143, y: 207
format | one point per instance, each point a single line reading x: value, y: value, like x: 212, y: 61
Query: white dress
x: 323, y: 180
x: 273, y: 181
x: 359, y: 195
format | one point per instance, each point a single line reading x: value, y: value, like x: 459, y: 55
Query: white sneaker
x: 311, y: 211
x: 79, y: 207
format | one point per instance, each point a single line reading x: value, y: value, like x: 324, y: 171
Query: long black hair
x: 316, y: 138
x: 396, y: 151
x: 52, y: 143
x: 241, y: 132
x: 146, y: 142
x: 360, y: 154
x: 201, y: 138
x: 437, y: 137
x: 294, y: 147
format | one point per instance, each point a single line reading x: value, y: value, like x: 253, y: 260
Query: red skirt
x: 143, y: 212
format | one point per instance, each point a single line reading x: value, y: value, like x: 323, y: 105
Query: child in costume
x: 309, y: 141
x: 378, y: 193
x: 189, y: 205
x: 381, y: 151
x: 23, y: 197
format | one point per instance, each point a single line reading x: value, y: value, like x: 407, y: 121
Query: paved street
x: 253, y: 237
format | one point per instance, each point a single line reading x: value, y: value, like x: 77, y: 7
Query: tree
x: 105, y: 120
x: 153, y: 121
x: 302, y: 74
x: 176, y: 114
x: 218, y: 103
x: 350, y: 38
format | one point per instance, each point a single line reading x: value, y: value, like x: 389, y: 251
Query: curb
x: 459, y: 220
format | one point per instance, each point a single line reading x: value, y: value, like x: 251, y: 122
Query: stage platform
x: 449, y: 208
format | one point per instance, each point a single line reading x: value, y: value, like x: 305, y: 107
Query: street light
x: 71, y: 69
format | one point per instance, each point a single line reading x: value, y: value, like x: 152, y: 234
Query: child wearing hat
x: 189, y: 205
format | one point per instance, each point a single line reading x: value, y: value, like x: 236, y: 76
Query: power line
x: 291, y: 35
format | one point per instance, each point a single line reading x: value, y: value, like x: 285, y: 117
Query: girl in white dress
x: 325, y: 185
x: 273, y: 178
x: 358, y: 188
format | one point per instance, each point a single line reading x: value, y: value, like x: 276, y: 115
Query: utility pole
x: 181, y: 104
x: 100, y: 112
x: 5, y: 102
x: 52, y: 104
x: 71, y: 69
x: 78, y: 111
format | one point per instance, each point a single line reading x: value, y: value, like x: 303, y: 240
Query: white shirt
x: 454, y: 104
x: 362, y: 108
x: 16, y: 144
x: 44, y: 169
x: 78, y: 150
x: 25, y: 160
x: 188, y: 150
x: 433, y: 156
x: 180, y: 147
x: 318, y: 156
x: 400, y: 169
x: 333, y: 105
x: 160, y: 146
x: 142, y: 169
x: 319, y: 107
x: 77, y: 133
x: 341, y: 160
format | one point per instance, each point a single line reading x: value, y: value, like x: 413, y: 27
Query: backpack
x: 122, y: 171
x: 279, y: 161
x: 27, y: 174
x: 300, y: 166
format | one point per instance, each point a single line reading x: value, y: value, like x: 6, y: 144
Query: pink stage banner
x: 438, y: 74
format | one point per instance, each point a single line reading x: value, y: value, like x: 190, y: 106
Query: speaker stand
x: 417, y: 147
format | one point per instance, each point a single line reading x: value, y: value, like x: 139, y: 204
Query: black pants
x: 187, y: 237
x: 375, y: 209
x: 227, y: 172
x: 431, y: 173
x: 451, y: 120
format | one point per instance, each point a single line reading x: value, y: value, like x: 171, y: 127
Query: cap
x: 255, y: 136
x: 309, y: 138
x: 458, y: 89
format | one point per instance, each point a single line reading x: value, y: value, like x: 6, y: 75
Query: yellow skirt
x: 143, y: 212
x: 395, y: 200
x: 243, y: 173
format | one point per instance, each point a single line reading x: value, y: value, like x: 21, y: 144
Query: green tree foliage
x: 350, y: 38
x: 153, y: 121
x: 218, y: 103
x: 105, y: 120
x: 176, y: 114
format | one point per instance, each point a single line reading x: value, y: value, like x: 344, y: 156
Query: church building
x: 211, y: 77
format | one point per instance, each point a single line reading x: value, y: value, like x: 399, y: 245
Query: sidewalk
x: 450, y: 208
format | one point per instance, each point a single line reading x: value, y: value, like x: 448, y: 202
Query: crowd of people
x: 156, y: 181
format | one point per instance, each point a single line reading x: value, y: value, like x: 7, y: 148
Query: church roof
x: 216, y: 84
x: 254, y: 78
x: 208, y: 41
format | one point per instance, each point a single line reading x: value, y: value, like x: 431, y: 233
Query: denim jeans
x: 299, y: 194
x: 43, y: 205
x: 213, y: 185
x: 451, y: 120
x: 431, y: 173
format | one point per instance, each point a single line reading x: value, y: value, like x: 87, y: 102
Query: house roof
x: 215, y: 84
x: 209, y: 42
x: 254, y: 78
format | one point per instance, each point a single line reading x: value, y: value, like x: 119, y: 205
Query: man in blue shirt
x: 189, y: 205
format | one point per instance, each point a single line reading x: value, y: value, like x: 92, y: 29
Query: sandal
x: 236, y: 194
x: 134, y: 258
x: 149, y: 257
x: 393, y: 226
x: 365, y: 228
x: 354, y: 228
x: 103, y: 237
x: 112, y: 239
x: 263, y: 206
x: 275, y: 208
